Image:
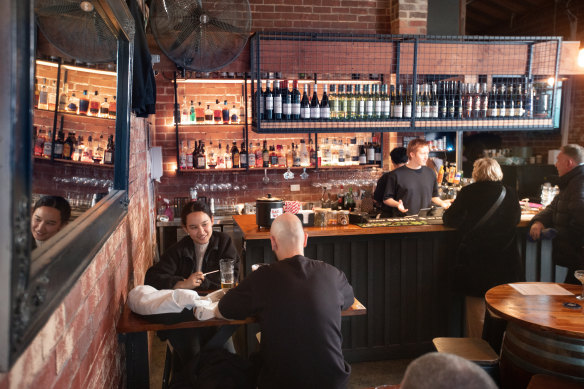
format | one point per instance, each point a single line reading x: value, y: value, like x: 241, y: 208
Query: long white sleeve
x: 146, y: 300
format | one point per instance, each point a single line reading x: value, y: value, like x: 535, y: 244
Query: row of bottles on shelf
x: 435, y: 100
x: 86, y: 105
x: 447, y: 175
x: 214, y: 113
x: 74, y: 148
x: 333, y: 152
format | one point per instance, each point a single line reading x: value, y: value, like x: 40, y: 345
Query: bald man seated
x: 298, y: 303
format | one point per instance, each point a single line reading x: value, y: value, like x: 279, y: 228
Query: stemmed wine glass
x: 579, y: 274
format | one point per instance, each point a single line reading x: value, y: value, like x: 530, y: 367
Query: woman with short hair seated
x: 50, y: 214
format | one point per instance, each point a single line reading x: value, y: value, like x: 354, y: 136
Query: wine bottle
x: 368, y: 96
x: 377, y: 103
x: 476, y: 105
x: 295, y: 101
x: 277, y: 101
x: 268, y: 102
x: 442, y: 110
x: 351, y: 103
x: 305, y: 104
x: 360, y: 97
x: 314, y: 105
x: 450, y: 100
x: 492, y: 103
x: 458, y: 105
x: 286, y: 100
x: 333, y: 102
x: 501, y: 102
x: 408, y: 102
x: 342, y: 98
x: 325, y: 110
x: 385, y: 103
x: 434, y: 101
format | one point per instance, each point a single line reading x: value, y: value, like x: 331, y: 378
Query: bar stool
x: 476, y: 350
x: 544, y: 381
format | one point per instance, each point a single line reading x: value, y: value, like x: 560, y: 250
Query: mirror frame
x: 35, y: 286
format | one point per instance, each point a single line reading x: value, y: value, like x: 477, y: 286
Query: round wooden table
x: 545, y: 333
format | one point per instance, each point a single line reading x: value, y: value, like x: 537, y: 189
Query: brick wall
x: 78, y: 347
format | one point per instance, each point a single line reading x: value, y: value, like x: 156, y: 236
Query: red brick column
x: 408, y: 16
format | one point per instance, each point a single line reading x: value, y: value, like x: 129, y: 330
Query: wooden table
x: 132, y: 329
x: 543, y: 334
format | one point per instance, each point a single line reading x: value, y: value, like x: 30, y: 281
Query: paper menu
x: 539, y: 289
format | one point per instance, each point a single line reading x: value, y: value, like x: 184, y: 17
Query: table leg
x: 137, y: 369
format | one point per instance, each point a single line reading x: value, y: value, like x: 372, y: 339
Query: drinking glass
x: 226, y: 267
x: 579, y: 274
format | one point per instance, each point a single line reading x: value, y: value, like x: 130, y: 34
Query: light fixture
x: 550, y: 81
x: 581, y: 58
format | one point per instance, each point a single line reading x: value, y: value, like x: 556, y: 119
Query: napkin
x: 146, y: 300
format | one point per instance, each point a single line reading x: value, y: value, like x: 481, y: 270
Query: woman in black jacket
x: 183, y: 266
x: 488, y: 254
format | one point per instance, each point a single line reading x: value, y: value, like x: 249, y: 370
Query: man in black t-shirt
x: 412, y: 186
x: 298, y: 303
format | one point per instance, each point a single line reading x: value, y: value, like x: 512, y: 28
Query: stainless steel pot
x: 267, y: 209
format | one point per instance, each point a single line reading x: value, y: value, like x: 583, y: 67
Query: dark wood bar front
x: 402, y: 276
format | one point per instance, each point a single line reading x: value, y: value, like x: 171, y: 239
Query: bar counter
x: 401, y: 274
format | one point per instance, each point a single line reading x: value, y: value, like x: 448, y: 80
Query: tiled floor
x: 363, y: 375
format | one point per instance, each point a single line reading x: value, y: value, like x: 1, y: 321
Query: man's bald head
x: 287, y: 236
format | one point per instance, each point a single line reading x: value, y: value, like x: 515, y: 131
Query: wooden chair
x: 544, y: 381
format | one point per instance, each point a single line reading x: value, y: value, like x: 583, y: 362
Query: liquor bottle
x: 227, y: 156
x: 501, y: 102
x: 312, y: 159
x: 268, y: 103
x: 434, y: 101
x: 243, y: 156
x: 377, y: 103
x: 341, y: 153
x: 199, y: 113
x: 289, y: 156
x: 385, y: 103
x: 190, y: 152
x: 235, y: 156
x: 73, y: 104
x: 112, y: 109
x: 59, y: 142
x: 201, y: 156
x: 259, y: 155
x: 305, y: 104
x: 273, y: 156
x: 450, y: 100
x: 44, y: 96
x: 184, y: 117
x: 48, y: 146
x: 325, y: 110
x: 39, y: 142
x: 370, y: 153
x: 84, y: 103
x: 458, y: 105
x: 209, y: 115
x: 234, y: 115
x: 78, y: 151
x: 342, y: 98
x: 440, y: 175
x: 286, y: 100
x: 280, y: 157
x: 225, y: 112
x: 408, y: 102
x: 333, y: 102
x: 277, y: 101
x: 295, y: 156
x: 296, y: 101
x: 303, y: 154
x: 94, y: 106
x: 108, y: 157
x: 37, y: 94
x: 265, y: 155
x: 98, y: 151
x: 69, y: 146
x: 182, y: 156
x: 64, y: 95
x: 104, y: 108
x: 362, y: 155
x: 217, y: 112
x: 251, y: 161
x: 360, y: 98
x: 326, y: 156
x: 418, y: 105
x: 351, y: 103
x: 368, y: 96
x: 314, y: 105
x: 52, y: 96
x: 214, y: 157
x: 192, y: 113
x: 442, y: 109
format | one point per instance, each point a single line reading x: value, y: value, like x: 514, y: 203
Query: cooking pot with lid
x: 267, y: 209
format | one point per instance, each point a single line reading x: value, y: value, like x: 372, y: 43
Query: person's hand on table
x: 400, y: 207
x: 535, y: 230
x: 194, y: 281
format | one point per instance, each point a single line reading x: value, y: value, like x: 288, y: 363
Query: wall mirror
x: 35, y: 280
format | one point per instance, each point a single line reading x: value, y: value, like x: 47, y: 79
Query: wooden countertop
x: 247, y: 224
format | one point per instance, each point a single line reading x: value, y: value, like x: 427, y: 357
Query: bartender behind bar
x: 412, y: 186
